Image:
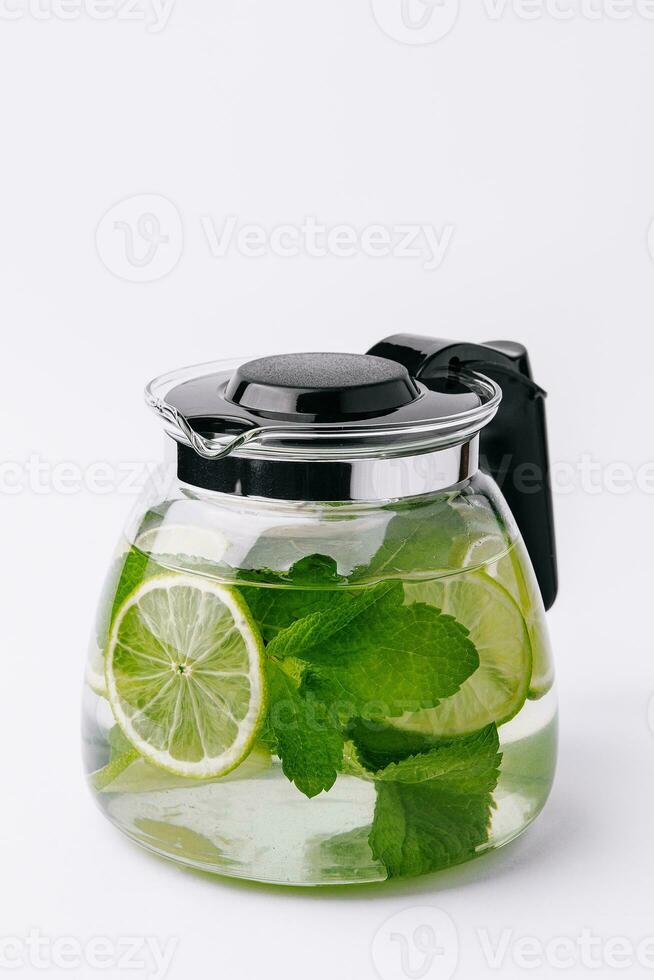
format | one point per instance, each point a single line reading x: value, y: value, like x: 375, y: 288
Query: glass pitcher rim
x: 275, y: 439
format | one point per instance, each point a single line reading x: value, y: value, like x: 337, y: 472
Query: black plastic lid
x: 316, y: 388
x: 329, y: 387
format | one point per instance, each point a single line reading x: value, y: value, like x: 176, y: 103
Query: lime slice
x: 94, y: 671
x: 509, y: 572
x: 498, y: 688
x: 184, y: 675
x: 130, y: 773
x: 542, y: 678
x: 489, y: 551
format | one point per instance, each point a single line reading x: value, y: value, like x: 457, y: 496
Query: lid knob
x: 322, y: 387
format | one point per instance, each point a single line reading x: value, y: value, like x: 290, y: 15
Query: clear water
x: 257, y: 826
x: 254, y: 823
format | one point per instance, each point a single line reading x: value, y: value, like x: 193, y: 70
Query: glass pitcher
x: 321, y: 654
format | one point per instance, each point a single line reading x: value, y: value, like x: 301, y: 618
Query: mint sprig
x: 433, y: 810
x: 350, y: 654
x: 308, y: 739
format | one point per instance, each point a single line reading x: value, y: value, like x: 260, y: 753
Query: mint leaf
x: 308, y: 740
x: 266, y: 738
x: 278, y: 609
x: 125, y: 573
x: 315, y: 570
x: 307, y: 588
x: 418, y: 539
x: 433, y: 810
x: 311, y: 570
x: 325, y: 615
x: 378, y: 745
x: 386, y: 660
x: 349, y: 850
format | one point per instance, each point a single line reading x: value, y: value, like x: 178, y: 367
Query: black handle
x: 513, y: 446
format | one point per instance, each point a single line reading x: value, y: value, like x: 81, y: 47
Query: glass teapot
x: 321, y: 654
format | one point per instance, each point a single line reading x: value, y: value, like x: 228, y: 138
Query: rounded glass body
x: 406, y: 717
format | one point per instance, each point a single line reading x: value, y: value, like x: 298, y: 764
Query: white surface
x: 531, y: 140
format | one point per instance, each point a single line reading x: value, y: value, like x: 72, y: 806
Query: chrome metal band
x: 368, y: 479
x: 411, y: 476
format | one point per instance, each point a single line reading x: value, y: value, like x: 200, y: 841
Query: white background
x: 531, y: 139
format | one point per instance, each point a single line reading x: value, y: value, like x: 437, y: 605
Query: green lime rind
x: 94, y: 671
x: 109, y: 773
x: 509, y: 572
x: 184, y: 674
